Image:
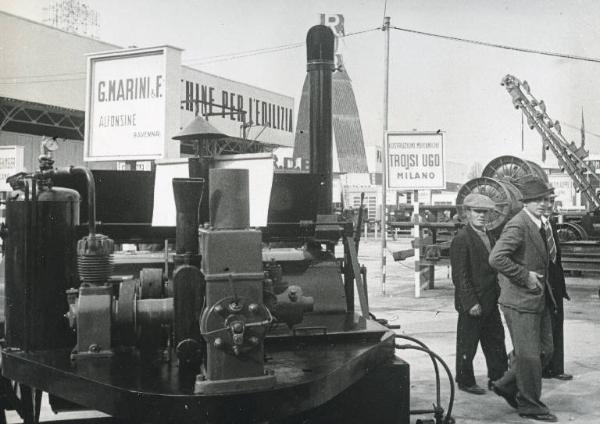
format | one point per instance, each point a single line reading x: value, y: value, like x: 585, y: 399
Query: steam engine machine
x: 249, y: 325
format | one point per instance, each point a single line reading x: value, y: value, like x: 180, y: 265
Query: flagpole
x: 522, y: 132
x: 582, y: 130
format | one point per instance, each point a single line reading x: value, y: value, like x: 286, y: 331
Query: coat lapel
x: 476, y: 241
x: 535, y: 236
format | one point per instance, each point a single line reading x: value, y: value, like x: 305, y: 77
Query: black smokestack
x: 319, y: 52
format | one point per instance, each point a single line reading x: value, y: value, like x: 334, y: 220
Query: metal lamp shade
x: 199, y: 129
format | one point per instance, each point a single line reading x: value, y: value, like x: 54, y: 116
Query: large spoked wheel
x: 569, y: 231
x: 511, y: 168
x: 539, y: 171
x: 504, y: 194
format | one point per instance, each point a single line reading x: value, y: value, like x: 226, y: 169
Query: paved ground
x: 432, y: 319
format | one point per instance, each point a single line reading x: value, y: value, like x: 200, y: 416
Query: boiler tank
x: 40, y: 261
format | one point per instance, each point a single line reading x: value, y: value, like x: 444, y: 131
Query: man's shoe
x: 563, y: 376
x: 474, y: 389
x: 511, y: 399
x: 491, y: 383
x: 550, y: 418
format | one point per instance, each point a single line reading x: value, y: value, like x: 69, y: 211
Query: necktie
x: 550, y: 241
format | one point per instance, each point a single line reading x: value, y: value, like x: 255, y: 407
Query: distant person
x: 556, y: 278
x: 427, y: 216
x: 476, y: 297
x: 446, y: 216
x: 521, y: 256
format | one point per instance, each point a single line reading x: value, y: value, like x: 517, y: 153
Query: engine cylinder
x: 94, y: 259
x: 229, y: 199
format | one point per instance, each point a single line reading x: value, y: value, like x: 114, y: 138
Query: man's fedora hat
x: 532, y: 187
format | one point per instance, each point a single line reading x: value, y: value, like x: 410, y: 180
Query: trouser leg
x: 467, y: 338
x: 531, y: 334
x: 546, y: 339
x: 557, y: 362
x: 508, y: 382
x: 492, y: 344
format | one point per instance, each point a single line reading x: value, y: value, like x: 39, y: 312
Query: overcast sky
x: 434, y: 83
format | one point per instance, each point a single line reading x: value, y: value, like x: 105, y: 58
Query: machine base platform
x: 310, y: 372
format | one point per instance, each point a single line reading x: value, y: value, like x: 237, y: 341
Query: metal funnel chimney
x: 229, y: 202
x: 320, y: 65
x: 188, y: 193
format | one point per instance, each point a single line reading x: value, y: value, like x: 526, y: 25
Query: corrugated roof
x: 347, y: 130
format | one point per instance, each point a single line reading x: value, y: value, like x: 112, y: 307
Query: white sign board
x: 564, y: 189
x: 234, y: 107
x: 415, y: 161
x: 11, y: 162
x: 163, y: 213
x: 260, y: 180
x: 126, y: 106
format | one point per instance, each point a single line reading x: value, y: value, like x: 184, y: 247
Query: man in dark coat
x: 521, y: 256
x: 556, y: 278
x: 476, y: 296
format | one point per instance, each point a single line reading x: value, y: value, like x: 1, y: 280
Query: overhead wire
x: 30, y: 79
x: 499, y: 46
x: 275, y: 49
x: 507, y: 47
x: 579, y: 128
x: 266, y: 50
x: 230, y: 56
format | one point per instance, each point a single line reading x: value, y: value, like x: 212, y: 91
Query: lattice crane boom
x: 570, y: 157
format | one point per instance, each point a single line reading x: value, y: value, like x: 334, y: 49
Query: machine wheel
x: 151, y: 283
x: 569, y: 231
x: 538, y: 171
x: 511, y: 168
x: 504, y: 194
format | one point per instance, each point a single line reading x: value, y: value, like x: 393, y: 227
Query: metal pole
x: 417, y: 236
x: 386, y: 73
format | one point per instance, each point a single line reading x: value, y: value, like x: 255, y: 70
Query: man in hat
x: 476, y: 297
x: 521, y: 256
x: 556, y: 277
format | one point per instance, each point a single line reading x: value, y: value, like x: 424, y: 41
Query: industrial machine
x: 578, y: 232
x: 251, y: 325
x: 571, y: 160
x: 500, y: 175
